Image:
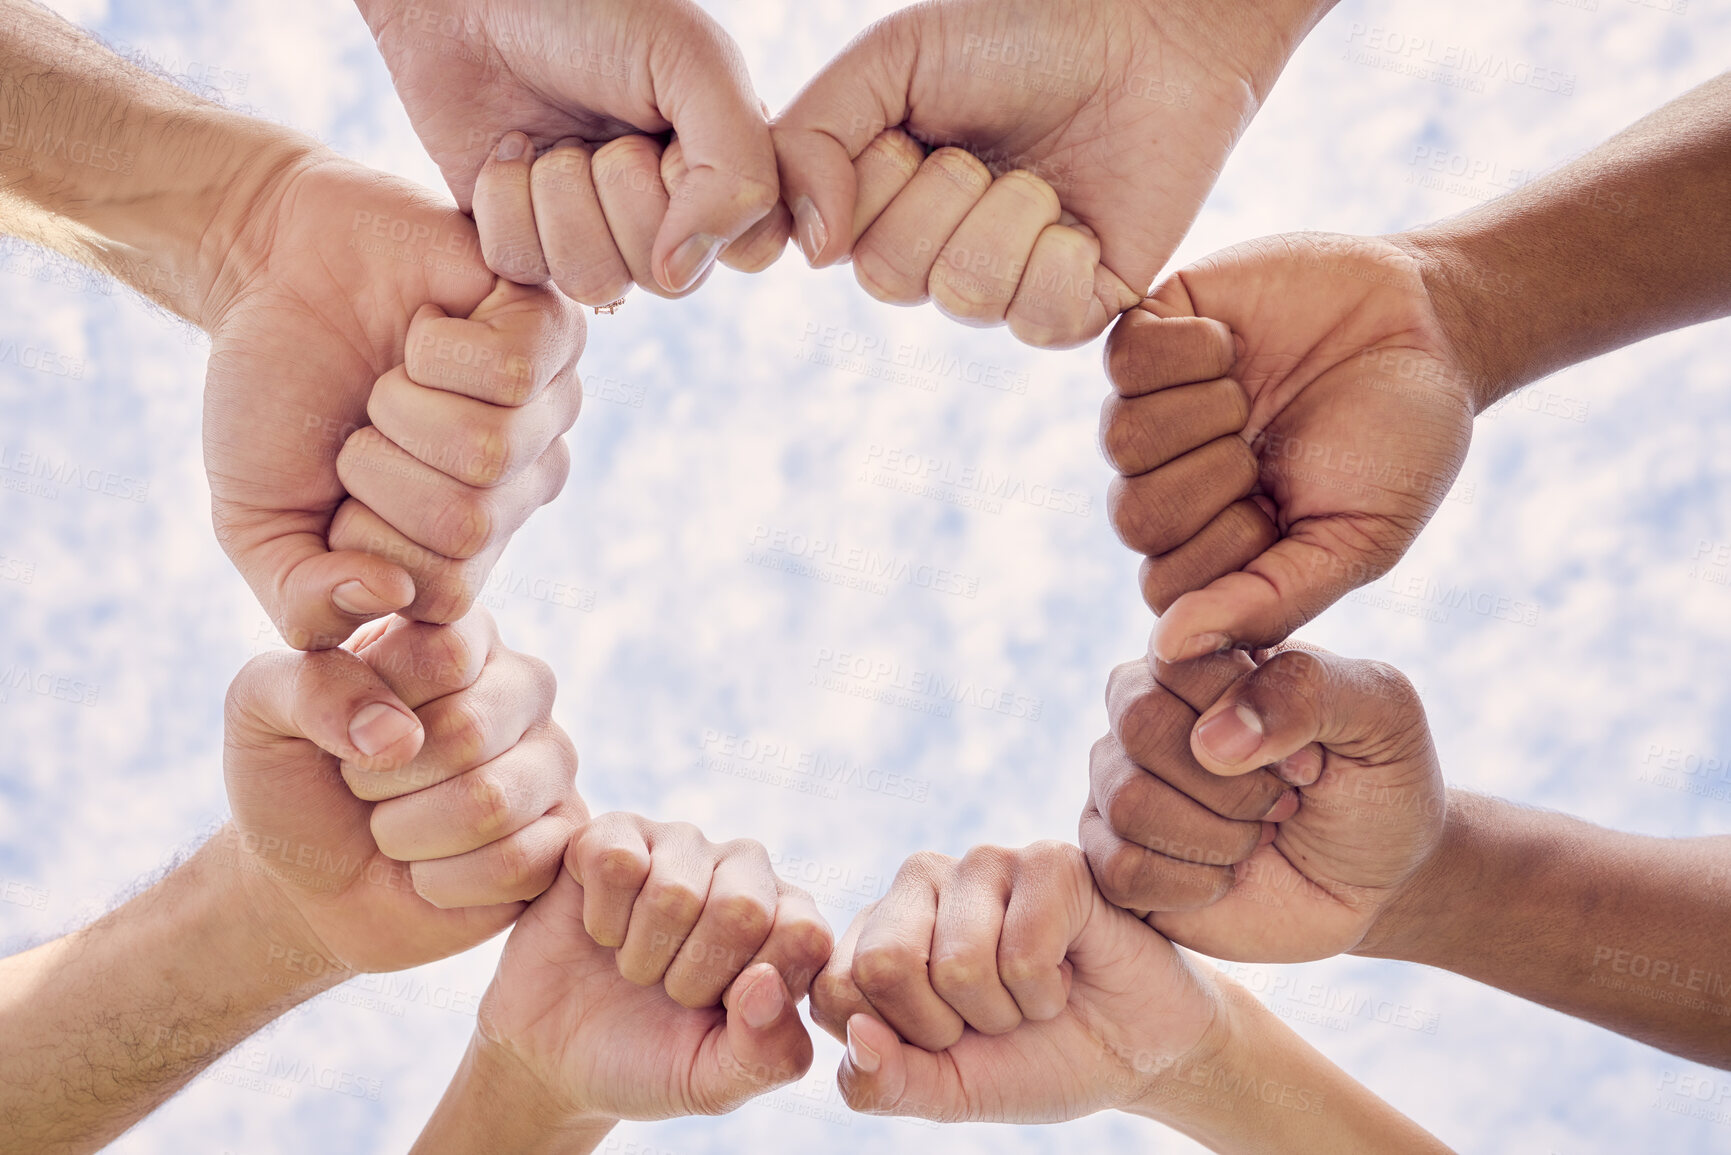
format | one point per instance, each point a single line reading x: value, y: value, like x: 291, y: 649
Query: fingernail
x: 864, y: 1059
x: 353, y: 597
x: 813, y: 234
x: 1284, y: 807
x: 378, y: 727
x: 1232, y: 735
x: 691, y: 260
x: 761, y: 1004
x: 510, y: 146
x: 1300, y: 769
x: 1197, y: 645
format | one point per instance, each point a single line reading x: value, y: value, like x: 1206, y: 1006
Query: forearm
x: 100, y: 1027
x: 1622, y: 930
x: 1631, y: 240
x: 494, y: 1105
x: 1267, y: 1090
x: 121, y: 170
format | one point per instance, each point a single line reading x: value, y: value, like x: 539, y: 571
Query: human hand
x: 398, y: 803
x: 591, y: 83
x: 1288, y: 415
x: 1042, y: 1001
x: 1105, y: 123
x: 1340, y: 748
x: 575, y: 1035
x: 341, y: 364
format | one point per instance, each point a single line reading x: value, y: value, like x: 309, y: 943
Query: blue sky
x: 713, y: 425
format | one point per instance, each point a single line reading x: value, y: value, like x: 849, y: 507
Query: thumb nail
x: 1232, y: 735
x: 691, y: 260
x: 353, y: 597
x: 378, y: 727
x: 762, y: 1002
x: 864, y: 1059
x: 808, y: 223
x: 1200, y: 644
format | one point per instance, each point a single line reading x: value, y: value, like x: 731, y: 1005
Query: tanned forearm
x: 100, y: 1027
x: 1261, y: 1088
x: 1630, y: 240
x: 1622, y: 930
x: 121, y: 170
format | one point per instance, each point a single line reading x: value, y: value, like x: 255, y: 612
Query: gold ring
x: 610, y: 307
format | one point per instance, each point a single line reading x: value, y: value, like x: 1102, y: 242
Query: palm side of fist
x: 375, y: 391
x: 1004, y: 987
x: 1262, y: 813
x: 659, y: 976
x: 402, y: 800
x: 1288, y: 414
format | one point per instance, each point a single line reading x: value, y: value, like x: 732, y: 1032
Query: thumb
x: 316, y: 597
x: 817, y: 138
x: 332, y: 699
x: 1307, y: 570
x: 763, y: 1046
x: 881, y: 1075
x: 1302, y: 696
x: 730, y: 182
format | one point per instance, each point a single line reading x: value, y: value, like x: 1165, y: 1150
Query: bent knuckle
x: 674, y: 901
x: 879, y: 968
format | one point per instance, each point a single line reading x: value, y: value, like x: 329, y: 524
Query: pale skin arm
x: 120, y: 170
x: 1270, y: 1091
x: 1003, y: 987
x: 1631, y: 240
x: 491, y: 1105
x: 1622, y: 930
x: 109, y: 1022
x: 690, y: 1008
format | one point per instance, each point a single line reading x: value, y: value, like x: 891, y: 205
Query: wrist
x: 1179, y: 1092
x: 274, y: 938
x: 1467, y: 295
x: 1428, y: 911
x: 497, y: 1103
x: 1259, y: 35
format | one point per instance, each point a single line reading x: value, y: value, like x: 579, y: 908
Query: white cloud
x: 1596, y: 522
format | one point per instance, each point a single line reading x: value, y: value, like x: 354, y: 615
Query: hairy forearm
x: 1630, y: 240
x: 1622, y: 930
x: 100, y: 1027
x: 121, y: 170
x: 1265, y: 1089
x: 493, y: 1104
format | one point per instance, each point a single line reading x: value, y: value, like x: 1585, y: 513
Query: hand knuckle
x: 882, y: 967
x: 674, y: 901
